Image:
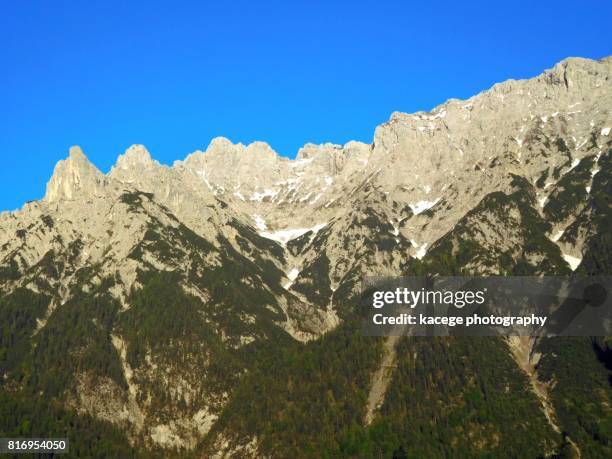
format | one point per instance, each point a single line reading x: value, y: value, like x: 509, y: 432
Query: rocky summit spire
x: 135, y: 158
x: 74, y: 177
x: 137, y: 168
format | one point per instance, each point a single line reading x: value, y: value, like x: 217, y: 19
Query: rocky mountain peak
x: 221, y: 147
x: 219, y: 143
x: 73, y: 177
x: 75, y: 153
x: 135, y: 156
x: 261, y: 149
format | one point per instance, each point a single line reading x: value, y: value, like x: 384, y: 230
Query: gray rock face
x: 75, y: 178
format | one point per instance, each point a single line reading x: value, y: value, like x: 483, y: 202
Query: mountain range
x: 210, y: 308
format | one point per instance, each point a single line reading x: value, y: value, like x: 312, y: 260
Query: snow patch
x: 572, y: 261
x: 440, y: 115
x: 542, y: 201
x: 202, y: 174
x: 291, y: 276
x: 575, y: 162
x: 422, y: 206
x: 557, y: 235
x: 260, y: 223
x: 257, y: 196
x: 287, y: 235
x: 395, y: 231
x: 421, y: 250
x: 597, y: 157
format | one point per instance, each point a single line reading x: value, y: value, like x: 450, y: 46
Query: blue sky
x: 173, y: 75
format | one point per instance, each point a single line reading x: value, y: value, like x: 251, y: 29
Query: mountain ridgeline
x: 210, y: 308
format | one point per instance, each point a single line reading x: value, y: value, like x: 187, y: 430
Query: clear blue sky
x: 173, y: 75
